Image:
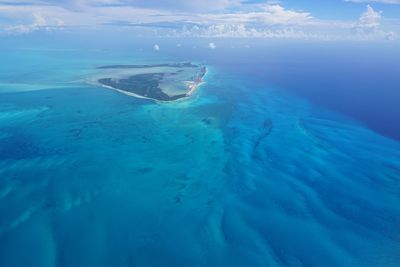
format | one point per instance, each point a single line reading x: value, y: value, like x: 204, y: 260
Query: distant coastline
x: 144, y: 66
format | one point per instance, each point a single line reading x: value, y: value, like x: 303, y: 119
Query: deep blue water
x: 282, y: 158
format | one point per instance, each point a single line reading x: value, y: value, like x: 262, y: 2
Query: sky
x: 296, y: 19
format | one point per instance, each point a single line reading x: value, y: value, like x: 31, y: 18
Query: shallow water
x: 241, y: 174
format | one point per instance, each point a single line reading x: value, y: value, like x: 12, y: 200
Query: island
x: 159, y: 82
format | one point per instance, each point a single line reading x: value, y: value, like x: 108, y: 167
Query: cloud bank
x: 209, y: 18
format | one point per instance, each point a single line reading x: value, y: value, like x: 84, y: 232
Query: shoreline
x: 193, y: 86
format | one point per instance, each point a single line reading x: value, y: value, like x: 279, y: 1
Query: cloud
x: 156, y: 47
x: 243, y: 31
x: 396, y: 2
x: 370, y: 18
x: 182, y: 5
x: 177, y: 5
x: 369, y: 21
x: 212, y: 46
x: 227, y: 18
x: 110, y: 10
x: 369, y: 26
x: 38, y: 22
x: 25, y: 17
x: 265, y: 14
x: 276, y: 14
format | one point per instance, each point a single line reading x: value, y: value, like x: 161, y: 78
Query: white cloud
x: 242, y: 31
x: 370, y: 18
x: 267, y: 14
x: 276, y: 14
x: 38, y: 22
x: 396, y: 2
x: 29, y: 18
x: 203, y: 5
x: 156, y: 47
x: 177, y: 5
x: 368, y: 22
x: 212, y: 46
x: 369, y: 26
x: 268, y: 20
x: 98, y: 15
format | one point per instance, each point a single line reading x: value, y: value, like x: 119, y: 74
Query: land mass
x: 173, y: 65
x: 160, y: 82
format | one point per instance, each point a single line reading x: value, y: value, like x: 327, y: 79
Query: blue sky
x: 312, y: 19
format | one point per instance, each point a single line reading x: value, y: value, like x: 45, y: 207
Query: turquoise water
x: 242, y: 174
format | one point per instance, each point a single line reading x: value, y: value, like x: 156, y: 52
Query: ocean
x: 287, y: 155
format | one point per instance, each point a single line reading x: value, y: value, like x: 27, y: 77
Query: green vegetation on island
x: 161, y: 82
